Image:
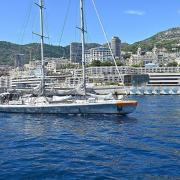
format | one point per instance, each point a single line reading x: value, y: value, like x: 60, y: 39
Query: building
x: 130, y: 75
x: 88, y: 58
x: 136, y: 79
x: 4, y: 70
x: 100, y: 53
x: 32, y: 83
x: 56, y: 65
x: 116, y: 47
x: 105, y: 75
x: 164, y: 79
x: 19, y: 61
x: 4, y: 82
x: 143, y: 58
x: 159, y: 57
x: 76, y: 52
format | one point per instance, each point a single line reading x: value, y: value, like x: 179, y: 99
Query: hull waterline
x: 115, y: 107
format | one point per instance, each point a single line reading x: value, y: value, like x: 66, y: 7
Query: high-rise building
x: 75, y: 52
x: 139, y: 51
x: 116, y: 47
x: 19, y: 60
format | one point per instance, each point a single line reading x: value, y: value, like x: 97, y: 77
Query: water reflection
x: 101, y: 128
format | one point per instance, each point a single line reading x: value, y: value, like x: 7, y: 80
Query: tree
x: 119, y: 63
x: 172, y: 64
x: 95, y: 63
x: 126, y: 56
x: 107, y: 63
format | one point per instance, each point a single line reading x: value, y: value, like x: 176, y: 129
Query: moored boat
x: 155, y: 91
x: 80, y: 107
x: 67, y: 105
x: 148, y: 91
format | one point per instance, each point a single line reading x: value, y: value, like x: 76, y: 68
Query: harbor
x: 147, y: 90
x: 103, y: 80
x: 89, y: 90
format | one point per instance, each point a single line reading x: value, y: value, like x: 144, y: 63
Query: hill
x: 168, y: 39
x: 8, y: 51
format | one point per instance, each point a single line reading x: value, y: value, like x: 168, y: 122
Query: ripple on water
x: 143, y: 145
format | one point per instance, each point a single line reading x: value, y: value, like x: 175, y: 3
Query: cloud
x: 134, y: 12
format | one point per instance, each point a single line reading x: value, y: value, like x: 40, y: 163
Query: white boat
x: 139, y: 91
x: 173, y: 91
x: 78, y: 107
x: 155, y: 91
x: 66, y: 105
x: 164, y: 91
x: 132, y: 91
x: 148, y: 91
x: 178, y: 91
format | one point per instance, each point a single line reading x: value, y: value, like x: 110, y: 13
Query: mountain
x: 168, y: 39
x: 8, y: 51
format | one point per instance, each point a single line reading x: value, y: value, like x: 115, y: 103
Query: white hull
x: 132, y: 91
x: 136, y: 91
x: 164, y: 92
x: 148, y: 92
x: 112, y: 107
x: 173, y: 91
x: 155, y: 92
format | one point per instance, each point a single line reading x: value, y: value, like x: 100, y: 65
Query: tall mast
x: 41, y: 6
x: 83, y: 44
x: 42, y: 45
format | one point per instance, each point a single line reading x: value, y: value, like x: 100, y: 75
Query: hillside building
x: 19, y: 61
x: 100, y: 53
x: 76, y: 52
x: 116, y: 47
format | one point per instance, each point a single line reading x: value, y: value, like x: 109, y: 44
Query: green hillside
x: 168, y: 39
x: 8, y: 51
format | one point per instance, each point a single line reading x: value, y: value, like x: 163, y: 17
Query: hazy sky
x: 131, y: 20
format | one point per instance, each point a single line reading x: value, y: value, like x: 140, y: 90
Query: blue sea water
x: 143, y: 145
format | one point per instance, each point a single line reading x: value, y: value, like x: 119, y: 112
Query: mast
x: 83, y: 44
x: 41, y: 6
x: 42, y: 46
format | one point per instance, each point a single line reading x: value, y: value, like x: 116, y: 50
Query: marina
x: 89, y: 89
x: 154, y: 90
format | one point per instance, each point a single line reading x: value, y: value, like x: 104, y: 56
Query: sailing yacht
x: 87, y: 104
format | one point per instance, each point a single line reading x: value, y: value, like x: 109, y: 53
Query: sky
x: 130, y: 20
